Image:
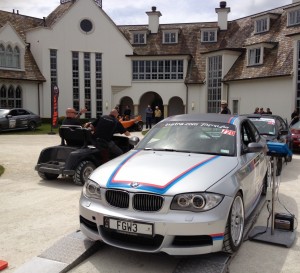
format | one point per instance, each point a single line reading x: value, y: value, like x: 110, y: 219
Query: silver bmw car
x: 186, y: 188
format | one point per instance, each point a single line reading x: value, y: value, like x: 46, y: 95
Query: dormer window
x: 262, y: 22
x: 255, y: 56
x: 293, y: 17
x: 262, y: 25
x: 256, y: 52
x: 208, y: 35
x: 170, y: 37
x: 139, y: 38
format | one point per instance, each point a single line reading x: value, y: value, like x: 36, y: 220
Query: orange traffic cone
x: 3, y: 264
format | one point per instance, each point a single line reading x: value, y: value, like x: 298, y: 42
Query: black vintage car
x: 76, y: 156
x: 17, y: 119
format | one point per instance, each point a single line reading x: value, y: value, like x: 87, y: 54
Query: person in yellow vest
x: 157, y: 114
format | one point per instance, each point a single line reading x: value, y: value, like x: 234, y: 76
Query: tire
x: 82, y: 172
x: 139, y: 126
x: 234, y: 230
x: 32, y: 126
x: 48, y: 176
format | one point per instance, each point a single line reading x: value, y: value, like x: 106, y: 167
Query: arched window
x: 2, y: 55
x: 16, y: 57
x: 9, y: 56
x: 3, y: 96
x: 18, y: 97
x: 11, y: 96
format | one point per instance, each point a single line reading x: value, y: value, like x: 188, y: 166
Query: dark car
x: 274, y: 128
x: 295, y: 130
x: 18, y: 118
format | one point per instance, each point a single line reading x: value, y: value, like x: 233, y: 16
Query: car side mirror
x: 9, y: 116
x: 255, y: 147
x: 134, y: 140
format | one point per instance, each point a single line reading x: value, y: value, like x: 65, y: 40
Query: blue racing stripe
x: 111, y: 183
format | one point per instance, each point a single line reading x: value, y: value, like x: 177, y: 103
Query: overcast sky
x: 131, y: 12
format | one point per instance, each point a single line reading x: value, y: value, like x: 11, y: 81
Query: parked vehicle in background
x: 295, y: 130
x: 185, y: 189
x: 18, y: 119
x: 274, y: 128
x: 134, y: 124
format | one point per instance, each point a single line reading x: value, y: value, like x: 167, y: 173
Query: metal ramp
x: 64, y: 255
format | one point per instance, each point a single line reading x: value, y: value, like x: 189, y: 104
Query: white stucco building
x: 183, y: 68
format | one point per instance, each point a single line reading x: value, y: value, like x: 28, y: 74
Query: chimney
x: 153, y: 20
x: 223, y: 15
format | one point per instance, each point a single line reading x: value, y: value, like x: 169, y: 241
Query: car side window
x: 248, y: 133
x: 23, y: 112
x: 13, y: 112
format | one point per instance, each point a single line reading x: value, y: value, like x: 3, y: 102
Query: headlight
x: 200, y: 201
x: 91, y: 189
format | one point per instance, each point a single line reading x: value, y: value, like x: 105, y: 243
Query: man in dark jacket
x: 224, y: 107
x: 105, y: 127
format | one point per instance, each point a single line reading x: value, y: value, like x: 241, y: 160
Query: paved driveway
x: 35, y: 214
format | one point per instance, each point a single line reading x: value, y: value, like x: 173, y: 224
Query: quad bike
x: 134, y: 124
x: 76, y: 156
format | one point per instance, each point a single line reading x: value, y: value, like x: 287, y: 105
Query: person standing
x: 149, y: 115
x: 157, y: 114
x: 269, y: 111
x: 224, y: 108
x: 72, y: 116
x: 127, y: 113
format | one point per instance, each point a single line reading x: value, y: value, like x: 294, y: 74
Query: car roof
x: 210, y: 117
x: 258, y: 116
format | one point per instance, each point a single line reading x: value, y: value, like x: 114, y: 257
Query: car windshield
x: 3, y: 112
x: 296, y: 126
x: 191, y: 137
x: 265, y: 126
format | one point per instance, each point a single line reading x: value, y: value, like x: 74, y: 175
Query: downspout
x: 39, y: 103
x: 227, y: 92
x: 187, y: 98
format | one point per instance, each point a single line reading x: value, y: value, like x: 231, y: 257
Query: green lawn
x: 1, y: 170
x: 44, y: 129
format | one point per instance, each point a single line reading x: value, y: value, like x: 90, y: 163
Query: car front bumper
x: 174, y: 232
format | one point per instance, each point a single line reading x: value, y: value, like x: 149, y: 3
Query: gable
x: 10, y: 35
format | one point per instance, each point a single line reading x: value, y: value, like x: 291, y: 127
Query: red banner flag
x: 54, y: 106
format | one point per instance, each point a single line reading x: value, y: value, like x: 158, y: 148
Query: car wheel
x: 32, y: 126
x: 82, y: 172
x: 139, y: 126
x: 278, y: 166
x: 234, y: 230
x: 48, y: 176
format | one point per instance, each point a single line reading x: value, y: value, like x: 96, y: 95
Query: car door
x: 12, y: 122
x: 23, y: 118
x: 285, y: 133
x: 252, y: 165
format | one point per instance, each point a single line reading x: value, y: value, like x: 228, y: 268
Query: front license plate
x: 128, y: 226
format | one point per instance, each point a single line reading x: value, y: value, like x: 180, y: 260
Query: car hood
x: 163, y: 172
